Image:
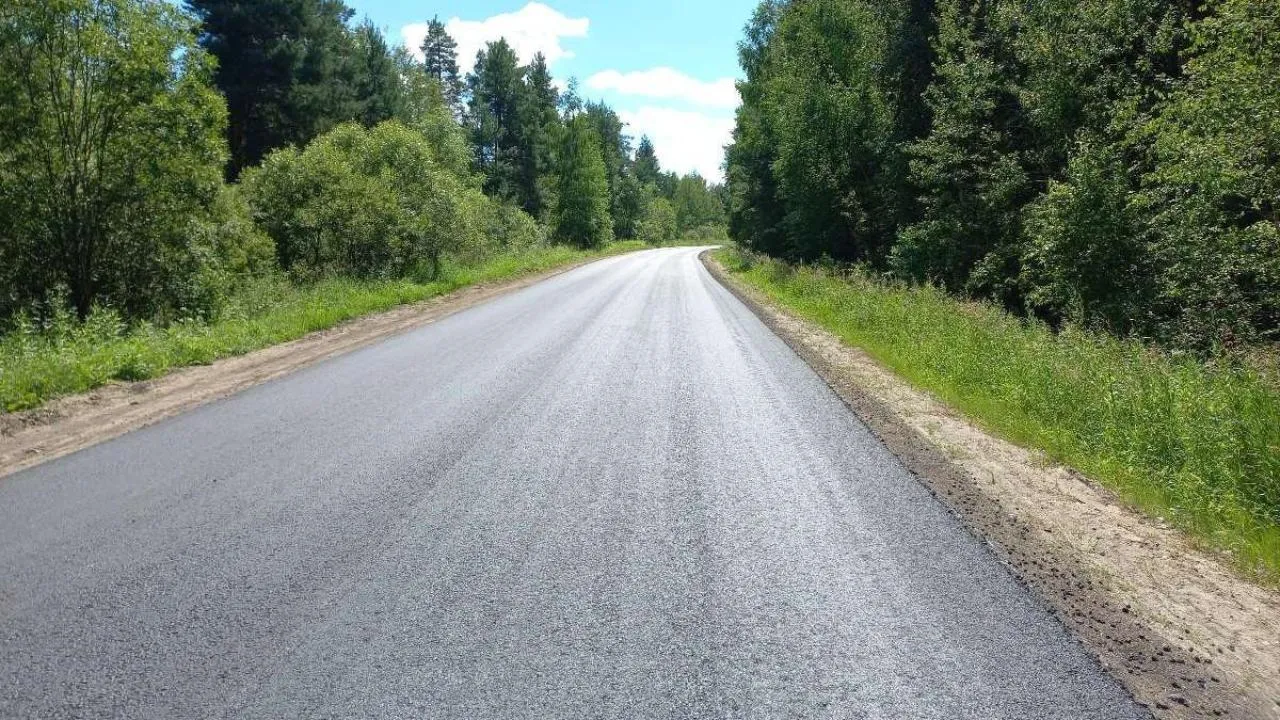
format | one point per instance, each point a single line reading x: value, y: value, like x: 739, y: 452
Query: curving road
x: 613, y: 494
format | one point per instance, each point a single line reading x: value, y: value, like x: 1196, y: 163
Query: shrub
x: 365, y: 203
x: 110, y: 144
x: 657, y: 224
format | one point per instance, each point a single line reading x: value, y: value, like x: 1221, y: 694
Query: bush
x: 657, y: 224
x: 110, y: 145
x: 365, y: 203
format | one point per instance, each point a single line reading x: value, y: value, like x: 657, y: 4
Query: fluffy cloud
x: 531, y: 29
x: 685, y: 141
x: 668, y: 84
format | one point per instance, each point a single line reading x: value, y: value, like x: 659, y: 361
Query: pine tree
x: 496, y: 86
x: 282, y: 65
x: 583, y: 216
x: 440, y: 58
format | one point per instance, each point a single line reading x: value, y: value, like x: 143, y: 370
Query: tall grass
x: 63, y: 356
x: 1192, y: 442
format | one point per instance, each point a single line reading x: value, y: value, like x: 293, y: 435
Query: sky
x: 666, y: 66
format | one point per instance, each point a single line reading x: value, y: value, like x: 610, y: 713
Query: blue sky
x: 667, y: 66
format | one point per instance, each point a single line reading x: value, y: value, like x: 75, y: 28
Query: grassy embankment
x: 1197, y: 444
x: 41, y: 363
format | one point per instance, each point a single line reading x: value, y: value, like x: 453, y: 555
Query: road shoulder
x: 65, y: 425
x: 1186, y: 635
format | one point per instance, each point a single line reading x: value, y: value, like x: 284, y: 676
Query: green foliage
x: 497, y: 86
x: 1084, y: 261
x: 657, y: 224
x: 539, y: 131
x: 1214, y: 192
x: 376, y: 77
x: 831, y: 114
x: 366, y: 203
x: 1191, y: 442
x: 970, y: 184
x: 696, y: 204
x: 440, y: 62
x: 628, y: 206
x: 284, y: 68
x: 648, y: 171
x: 583, y: 217
x: 615, y: 149
x: 111, y: 155
x: 1107, y: 163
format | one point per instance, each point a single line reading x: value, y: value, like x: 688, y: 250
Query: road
x: 613, y: 494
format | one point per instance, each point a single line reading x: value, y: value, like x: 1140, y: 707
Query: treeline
x: 1112, y: 164
x: 155, y: 158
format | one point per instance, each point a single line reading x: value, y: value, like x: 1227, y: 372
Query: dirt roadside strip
x: 1187, y: 636
x: 71, y: 423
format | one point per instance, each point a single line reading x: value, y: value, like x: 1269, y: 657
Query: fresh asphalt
x: 613, y: 494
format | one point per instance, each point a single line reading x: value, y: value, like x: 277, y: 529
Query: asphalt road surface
x: 613, y: 494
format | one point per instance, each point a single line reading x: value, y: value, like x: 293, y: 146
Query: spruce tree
x: 615, y: 149
x: 583, y: 216
x: 970, y: 181
x: 538, y: 130
x: 375, y: 76
x: 648, y: 170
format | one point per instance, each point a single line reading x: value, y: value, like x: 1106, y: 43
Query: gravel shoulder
x: 1187, y: 636
x: 65, y: 425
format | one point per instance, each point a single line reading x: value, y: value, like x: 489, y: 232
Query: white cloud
x: 668, y: 83
x: 684, y: 141
x: 529, y: 30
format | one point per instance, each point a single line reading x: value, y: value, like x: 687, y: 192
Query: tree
x: 583, y: 217
x: 282, y: 65
x: 377, y: 80
x: 1213, y: 195
x: 615, y: 149
x: 497, y: 86
x: 695, y: 204
x: 629, y: 208
x: 968, y: 173
x: 755, y: 208
x: 111, y: 152
x: 440, y: 59
x: 571, y: 100
x: 647, y: 168
x: 657, y: 224
x: 539, y: 131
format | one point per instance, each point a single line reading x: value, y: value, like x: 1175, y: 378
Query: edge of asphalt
x: 1162, y: 672
x: 74, y: 422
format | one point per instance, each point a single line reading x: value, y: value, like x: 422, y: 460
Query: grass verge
x: 66, y: 357
x: 1193, y: 443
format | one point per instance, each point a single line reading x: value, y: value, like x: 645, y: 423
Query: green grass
x: 65, y: 357
x: 1195, y: 443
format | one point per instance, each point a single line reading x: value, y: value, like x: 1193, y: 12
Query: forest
x: 158, y: 161
x: 1106, y: 164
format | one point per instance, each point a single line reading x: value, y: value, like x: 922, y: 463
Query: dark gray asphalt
x: 614, y: 494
